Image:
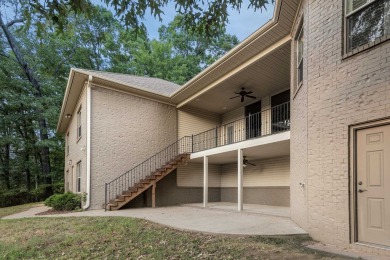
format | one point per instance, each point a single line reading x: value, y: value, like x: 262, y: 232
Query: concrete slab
x: 195, y: 219
x: 248, y: 208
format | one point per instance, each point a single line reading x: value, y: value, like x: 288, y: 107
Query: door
x: 253, y: 120
x: 373, y: 185
x: 280, y: 111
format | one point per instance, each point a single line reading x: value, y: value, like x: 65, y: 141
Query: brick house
x: 296, y: 115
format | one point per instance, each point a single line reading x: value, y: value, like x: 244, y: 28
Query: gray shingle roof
x: 154, y: 85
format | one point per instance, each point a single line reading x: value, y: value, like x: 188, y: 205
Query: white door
x: 373, y: 185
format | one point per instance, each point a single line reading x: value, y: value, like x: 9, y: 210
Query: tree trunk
x: 45, y: 152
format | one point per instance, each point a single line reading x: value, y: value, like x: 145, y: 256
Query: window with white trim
x: 78, y: 179
x: 366, y: 21
x: 79, y: 123
x: 67, y: 144
x: 300, y: 50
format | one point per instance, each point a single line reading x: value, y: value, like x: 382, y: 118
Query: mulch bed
x: 54, y: 212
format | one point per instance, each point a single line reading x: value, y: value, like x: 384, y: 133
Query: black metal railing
x: 270, y: 121
x: 130, y: 178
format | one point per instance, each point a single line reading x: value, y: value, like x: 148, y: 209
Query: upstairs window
x: 300, y: 45
x: 366, y: 22
x: 79, y: 123
x: 67, y: 144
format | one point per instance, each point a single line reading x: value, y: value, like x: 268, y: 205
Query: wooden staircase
x: 149, y: 181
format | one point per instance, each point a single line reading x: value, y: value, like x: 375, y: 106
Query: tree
x: 203, y: 17
x: 177, y: 56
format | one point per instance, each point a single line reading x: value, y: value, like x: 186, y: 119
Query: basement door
x: 373, y: 185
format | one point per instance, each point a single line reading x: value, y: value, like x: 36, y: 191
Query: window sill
x: 78, y: 139
x: 366, y: 46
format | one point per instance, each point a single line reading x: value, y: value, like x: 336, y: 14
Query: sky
x: 241, y: 24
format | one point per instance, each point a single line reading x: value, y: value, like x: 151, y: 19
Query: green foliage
x: 66, y: 201
x: 203, y: 17
x: 97, y: 42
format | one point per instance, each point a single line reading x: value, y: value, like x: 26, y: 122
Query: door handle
x: 360, y: 190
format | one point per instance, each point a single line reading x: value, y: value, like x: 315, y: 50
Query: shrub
x: 66, y: 201
x: 58, y: 188
x: 15, y: 197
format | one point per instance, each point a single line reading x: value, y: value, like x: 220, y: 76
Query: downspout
x: 88, y: 195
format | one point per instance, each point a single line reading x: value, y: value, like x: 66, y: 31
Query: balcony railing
x: 267, y: 122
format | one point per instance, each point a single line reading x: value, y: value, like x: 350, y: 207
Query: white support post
x: 205, y: 181
x: 240, y: 171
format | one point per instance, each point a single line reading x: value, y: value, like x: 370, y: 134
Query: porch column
x: 205, y: 181
x: 240, y: 171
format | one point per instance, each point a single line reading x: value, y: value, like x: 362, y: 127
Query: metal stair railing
x: 130, y: 178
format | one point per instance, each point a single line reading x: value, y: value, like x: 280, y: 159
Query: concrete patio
x: 219, y: 218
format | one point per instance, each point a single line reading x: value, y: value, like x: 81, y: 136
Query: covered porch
x: 241, y: 140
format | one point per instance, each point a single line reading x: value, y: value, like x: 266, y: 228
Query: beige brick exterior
x: 125, y: 130
x: 77, y: 147
x: 335, y: 94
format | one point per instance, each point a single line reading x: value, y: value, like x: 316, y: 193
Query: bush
x: 58, y: 188
x: 15, y: 197
x: 66, y: 201
x: 22, y: 196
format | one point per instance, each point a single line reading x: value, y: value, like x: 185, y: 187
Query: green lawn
x: 128, y: 238
x: 16, y: 209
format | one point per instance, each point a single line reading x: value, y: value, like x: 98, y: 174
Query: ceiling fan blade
x: 242, y: 99
x: 234, y: 97
x: 251, y: 96
x: 251, y: 163
x: 249, y: 92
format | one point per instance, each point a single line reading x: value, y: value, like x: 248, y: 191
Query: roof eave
x: 233, y: 51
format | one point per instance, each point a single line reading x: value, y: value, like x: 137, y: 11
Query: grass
x: 16, y: 209
x: 128, y: 238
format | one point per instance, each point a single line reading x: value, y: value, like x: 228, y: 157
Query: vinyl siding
x: 269, y: 172
x: 191, y: 175
x: 234, y: 115
x: 194, y: 121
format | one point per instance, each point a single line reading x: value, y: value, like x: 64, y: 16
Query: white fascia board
x: 245, y: 144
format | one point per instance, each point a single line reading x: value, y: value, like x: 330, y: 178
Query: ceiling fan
x: 243, y: 94
x: 245, y: 162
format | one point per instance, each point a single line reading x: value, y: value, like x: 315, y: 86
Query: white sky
x: 240, y: 24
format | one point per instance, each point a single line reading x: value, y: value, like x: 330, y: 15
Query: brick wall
x: 336, y: 93
x: 77, y: 146
x: 125, y: 131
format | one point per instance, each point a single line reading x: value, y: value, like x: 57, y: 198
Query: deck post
x: 240, y: 171
x: 205, y: 181
x: 154, y: 195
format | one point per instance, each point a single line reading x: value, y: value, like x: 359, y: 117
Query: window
x: 67, y: 181
x: 366, y: 21
x: 79, y: 123
x: 299, y: 44
x: 78, y: 179
x: 67, y: 144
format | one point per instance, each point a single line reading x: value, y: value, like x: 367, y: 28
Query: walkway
x: 194, y: 218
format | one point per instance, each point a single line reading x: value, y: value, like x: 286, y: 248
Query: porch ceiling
x: 270, y: 74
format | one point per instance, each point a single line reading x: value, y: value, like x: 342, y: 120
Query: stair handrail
x: 131, y: 177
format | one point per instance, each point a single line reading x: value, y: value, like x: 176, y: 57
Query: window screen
x: 366, y: 21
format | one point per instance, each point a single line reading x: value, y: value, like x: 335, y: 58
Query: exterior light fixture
x: 68, y: 116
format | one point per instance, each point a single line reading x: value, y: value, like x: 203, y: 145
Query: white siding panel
x: 191, y: 175
x: 194, y: 121
x: 269, y: 172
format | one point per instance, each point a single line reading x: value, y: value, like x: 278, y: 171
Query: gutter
x: 88, y: 193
